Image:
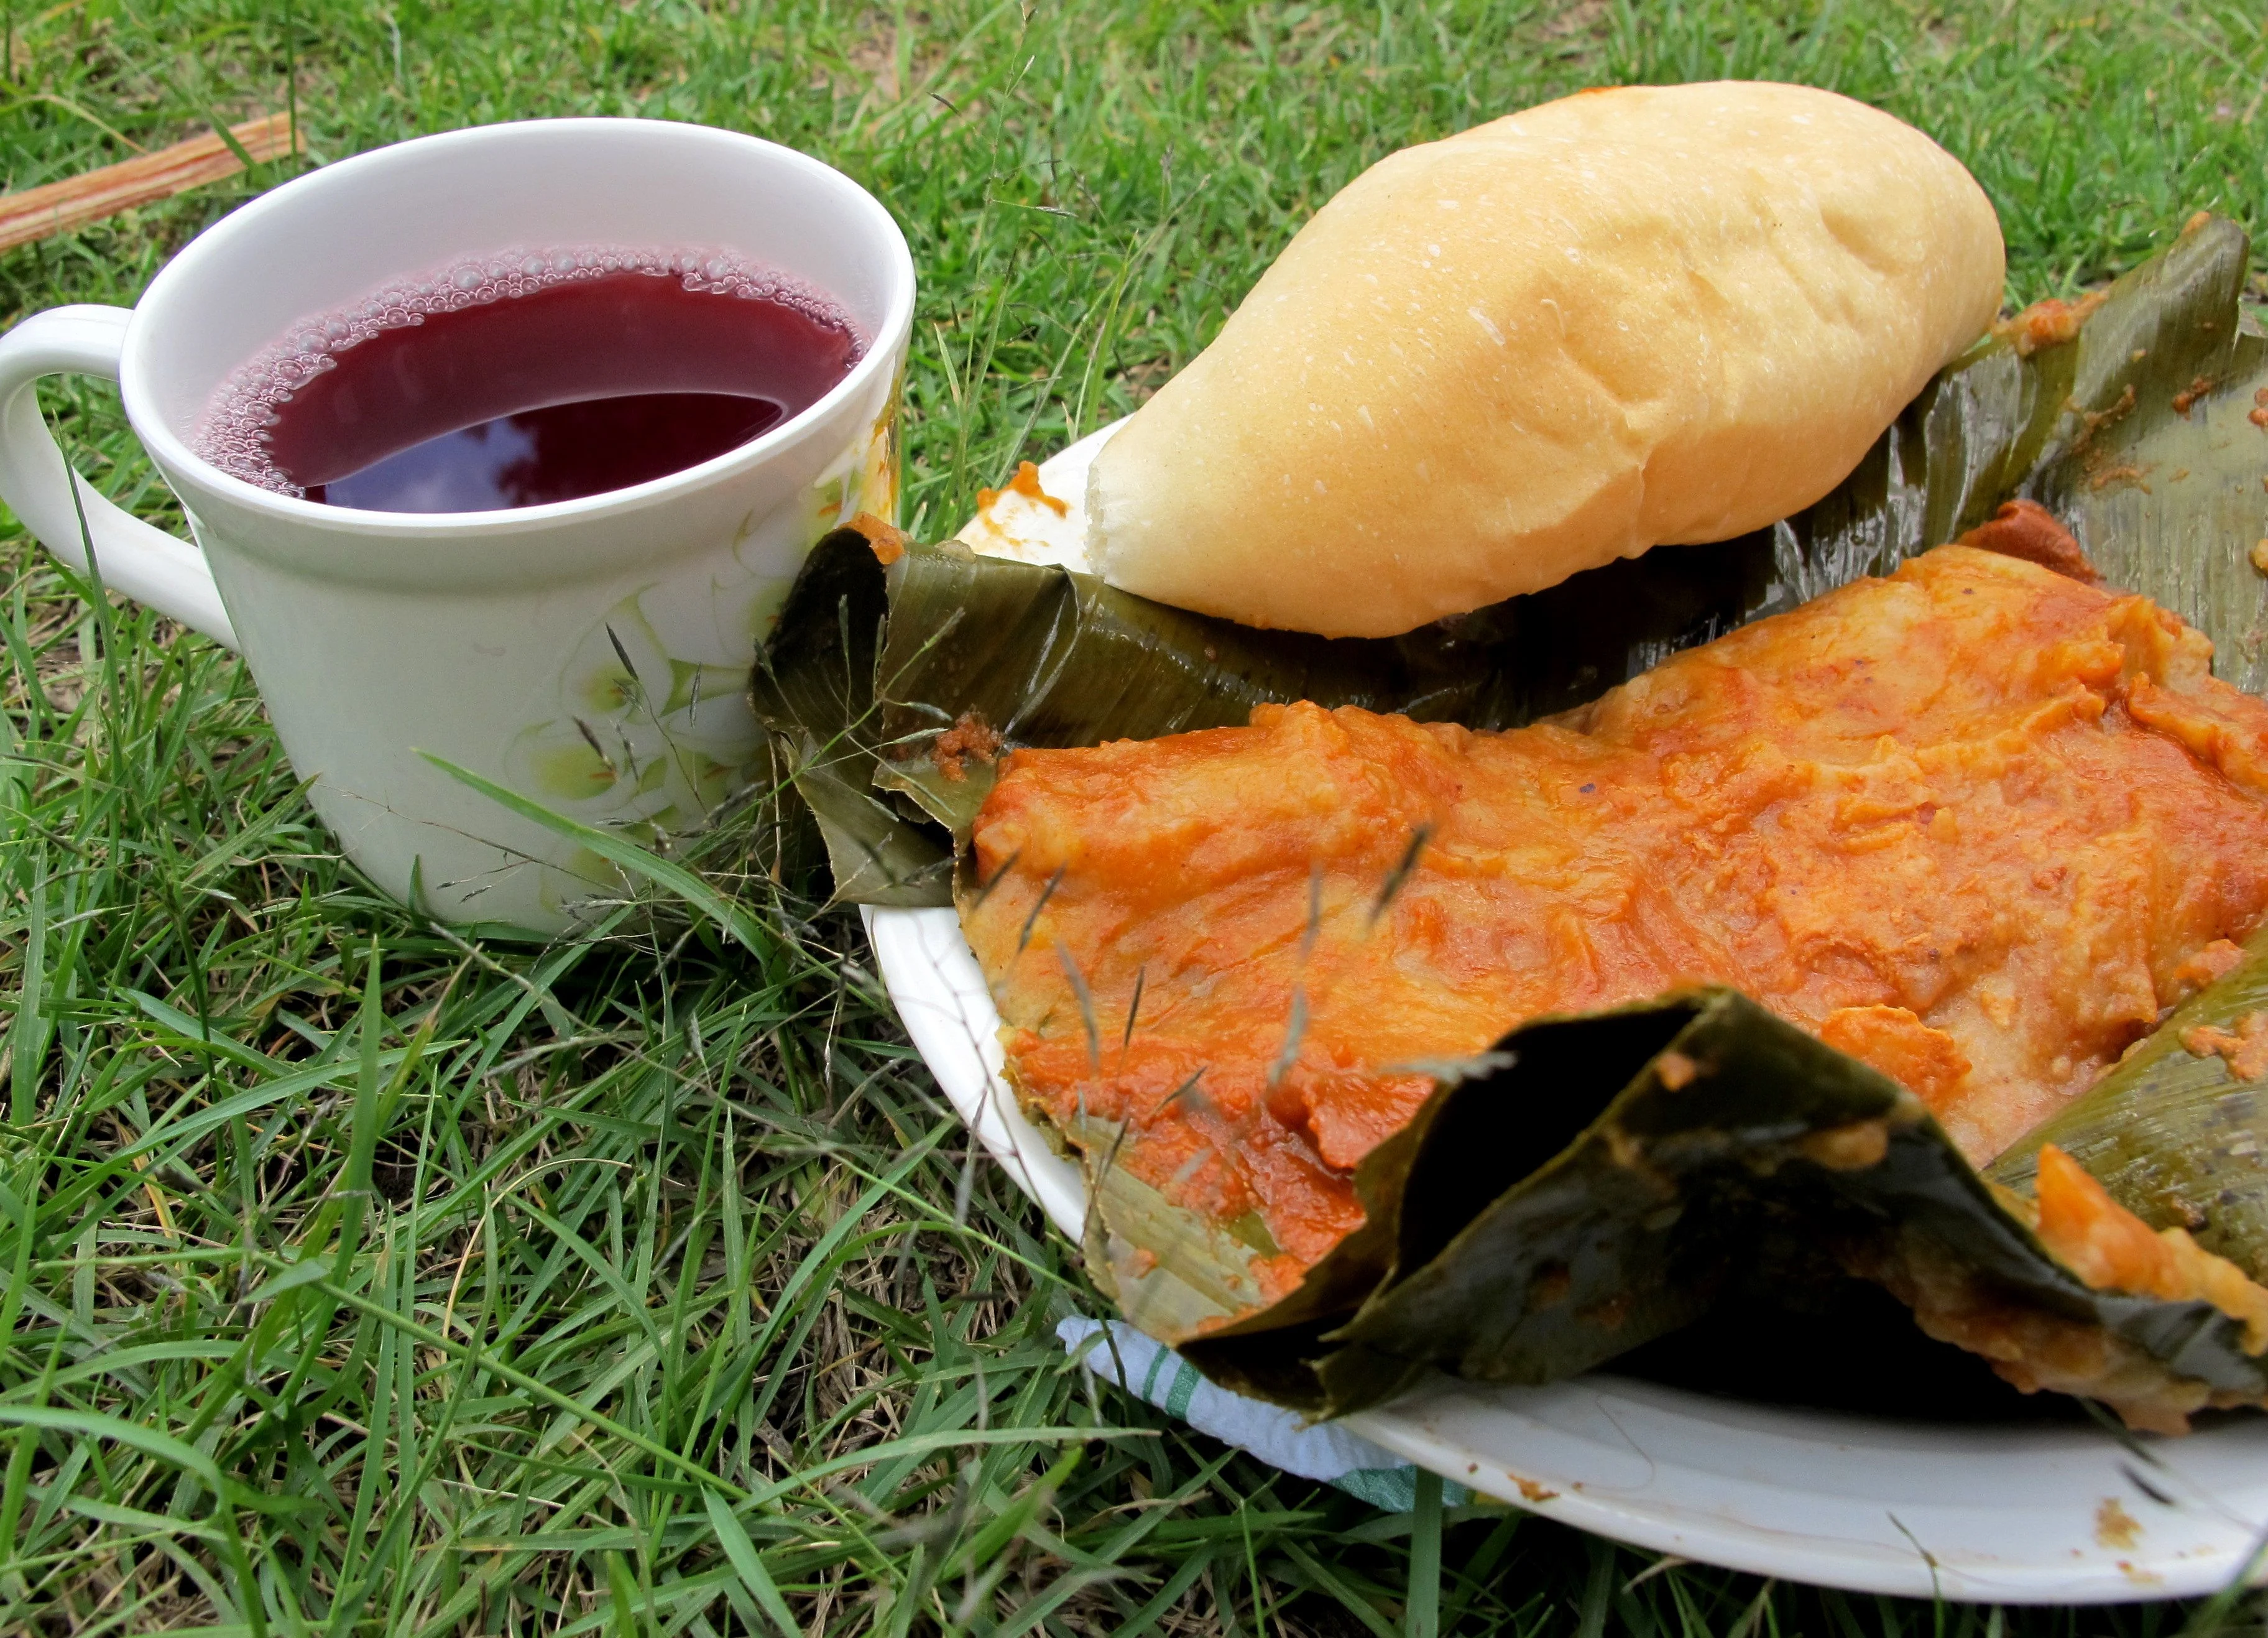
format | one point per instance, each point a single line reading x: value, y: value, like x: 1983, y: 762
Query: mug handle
x: 157, y: 570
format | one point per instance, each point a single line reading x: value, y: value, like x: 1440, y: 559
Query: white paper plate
x: 2027, y: 1514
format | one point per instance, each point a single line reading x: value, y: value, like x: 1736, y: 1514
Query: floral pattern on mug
x: 652, y: 728
x: 862, y: 478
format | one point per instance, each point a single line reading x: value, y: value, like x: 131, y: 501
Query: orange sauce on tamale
x: 1971, y: 823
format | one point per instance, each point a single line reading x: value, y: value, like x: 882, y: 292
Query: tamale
x: 1966, y: 823
x: 1709, y: 1140
x: 1973, y: 824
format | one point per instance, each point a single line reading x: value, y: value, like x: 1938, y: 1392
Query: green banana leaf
x: 2176, y: 1136
x: 2137, y: 435
x: 813, y: 688
x: 869, y: 665
x: 1711, y: 1138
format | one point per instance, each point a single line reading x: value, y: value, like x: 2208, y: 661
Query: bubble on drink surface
x: 234, y: 432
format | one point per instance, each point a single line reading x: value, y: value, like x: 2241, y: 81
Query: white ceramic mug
x: 494, y: 639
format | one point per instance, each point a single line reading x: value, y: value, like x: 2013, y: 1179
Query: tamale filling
x: 1977, y: 823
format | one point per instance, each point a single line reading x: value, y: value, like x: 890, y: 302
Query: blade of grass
x: 617, y: 850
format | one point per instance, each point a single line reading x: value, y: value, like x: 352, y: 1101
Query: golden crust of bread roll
x: 1630, y: 317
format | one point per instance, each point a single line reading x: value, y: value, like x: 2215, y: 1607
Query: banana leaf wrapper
x: 2177, y: 1132
x: 871, y: 667
x: 1602, y: 1180
x: 2139, y: 435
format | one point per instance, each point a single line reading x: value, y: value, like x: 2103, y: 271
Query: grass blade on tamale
x: 2175, y: 1132
x: 1600, y: 1187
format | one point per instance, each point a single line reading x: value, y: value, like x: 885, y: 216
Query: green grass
x: 358, y: 1278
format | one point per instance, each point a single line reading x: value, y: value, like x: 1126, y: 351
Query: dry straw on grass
x: 92, y: 195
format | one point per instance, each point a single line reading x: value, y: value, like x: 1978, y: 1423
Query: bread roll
x: 1630, y: 317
